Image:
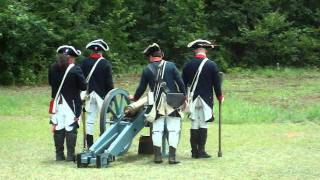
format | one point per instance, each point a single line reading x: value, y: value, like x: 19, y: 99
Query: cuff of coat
x: 136, y: 98
x: 220, y: 98
x: 50, y: 122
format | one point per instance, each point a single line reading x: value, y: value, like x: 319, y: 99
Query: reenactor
x: 163, y: 78
x: 201, y: 75
x: 98, y: 73
x: 66, y: 80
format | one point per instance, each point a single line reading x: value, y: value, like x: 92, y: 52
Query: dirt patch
x: 310, y: 99
x: 293, y: 134
x: 18, y: 90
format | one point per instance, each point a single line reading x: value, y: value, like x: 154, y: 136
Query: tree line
x: 250, y: 33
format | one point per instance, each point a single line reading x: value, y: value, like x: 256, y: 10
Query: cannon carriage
x: 120, y: 122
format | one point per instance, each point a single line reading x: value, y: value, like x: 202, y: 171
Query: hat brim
x: 73, y: 52
x: 101, y: 41
x: 200, y: 43
x: 97, y: 46
x: 153, y: 48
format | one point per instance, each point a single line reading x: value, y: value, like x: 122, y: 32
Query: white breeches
x: 93, y: 107
x: 198, y: 123
x: 200, y: 113
x: 64, y: 116
x: 173, y: 126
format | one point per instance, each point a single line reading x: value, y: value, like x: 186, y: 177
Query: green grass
x: 290, y: 95
x: 271, y: 131
x: 255, y: 151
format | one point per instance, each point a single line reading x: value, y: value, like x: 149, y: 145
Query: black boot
x: 89, y: 140
x: 202, y: 143
x: 194, y: 138
x: 172, y: 155
x: 58, y: 138
x: 157, y: 155
x: 71, y: 138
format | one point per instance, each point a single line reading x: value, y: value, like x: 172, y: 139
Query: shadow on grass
x: 50, y: 162
x: 133, y: 157
x: 145, y: 160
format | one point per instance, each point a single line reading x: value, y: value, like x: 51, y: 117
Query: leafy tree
x: 24, y: 40
x: 250, y: 33
x: 274, y: 40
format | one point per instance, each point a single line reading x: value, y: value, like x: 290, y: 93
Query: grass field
x: 271, y: 130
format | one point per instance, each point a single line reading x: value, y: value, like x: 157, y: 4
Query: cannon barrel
x: 134, y: 107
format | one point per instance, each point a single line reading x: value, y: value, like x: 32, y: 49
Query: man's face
x: 71, y: 59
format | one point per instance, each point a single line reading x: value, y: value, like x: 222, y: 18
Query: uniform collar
x: 200, y: 56
x: 95, y: 55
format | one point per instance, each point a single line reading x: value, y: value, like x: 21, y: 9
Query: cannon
x: 125, y: 121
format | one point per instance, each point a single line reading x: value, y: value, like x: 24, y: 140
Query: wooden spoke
x: 112, y: 111
x: 122, y: 104
x: 116, y: 106
x: 113, y: 107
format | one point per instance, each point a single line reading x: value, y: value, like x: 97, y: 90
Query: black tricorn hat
x: 200, y: 43
x: 98, y: 45
x: 153, y: 50
x: 68, y: 50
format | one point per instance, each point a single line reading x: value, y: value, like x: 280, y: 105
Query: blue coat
x: 171, y: 77
x: 101, y: 80
x: 73, y: 84
x: 208, y: 80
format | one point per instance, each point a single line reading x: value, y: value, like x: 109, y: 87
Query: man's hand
x: 131, y: 97
x: 221, y: 99
x: 77, y: 119
x: 185, y: 105
x: 53, y: 128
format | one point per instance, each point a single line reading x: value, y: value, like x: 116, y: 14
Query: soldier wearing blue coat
x: 170, y: 120
x: 203, y: 94
x: 68, y: 109
x: 99, y: 84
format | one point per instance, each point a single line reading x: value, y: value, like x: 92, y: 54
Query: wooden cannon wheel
x: 112, y: 109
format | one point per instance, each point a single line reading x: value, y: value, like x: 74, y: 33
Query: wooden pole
x: 220, y: 106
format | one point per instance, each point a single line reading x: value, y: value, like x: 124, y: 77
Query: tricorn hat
x: 200, y: 43
x: 153, y: 50
x: 98, y: 45
x: 68, y: 50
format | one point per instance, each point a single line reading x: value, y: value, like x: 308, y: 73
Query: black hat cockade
x: 200, y: 43
x: 153, y: 50
x: 68, y: 50
x: 98, y: 45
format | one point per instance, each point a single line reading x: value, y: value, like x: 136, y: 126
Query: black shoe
x: 204, y: 154
x: 172, y: 156
x: 174, y: 162
x: 60, y: 157
x: 71, y: 138
x: 89, y: 139
x: 202, y: 143
x: 58, y: 138
x: 157, y: 155
x: 71, y: 157
x: 194, y: 154
x: 194, y: 137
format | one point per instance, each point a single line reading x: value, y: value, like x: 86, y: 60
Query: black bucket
x: 145, y: 145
